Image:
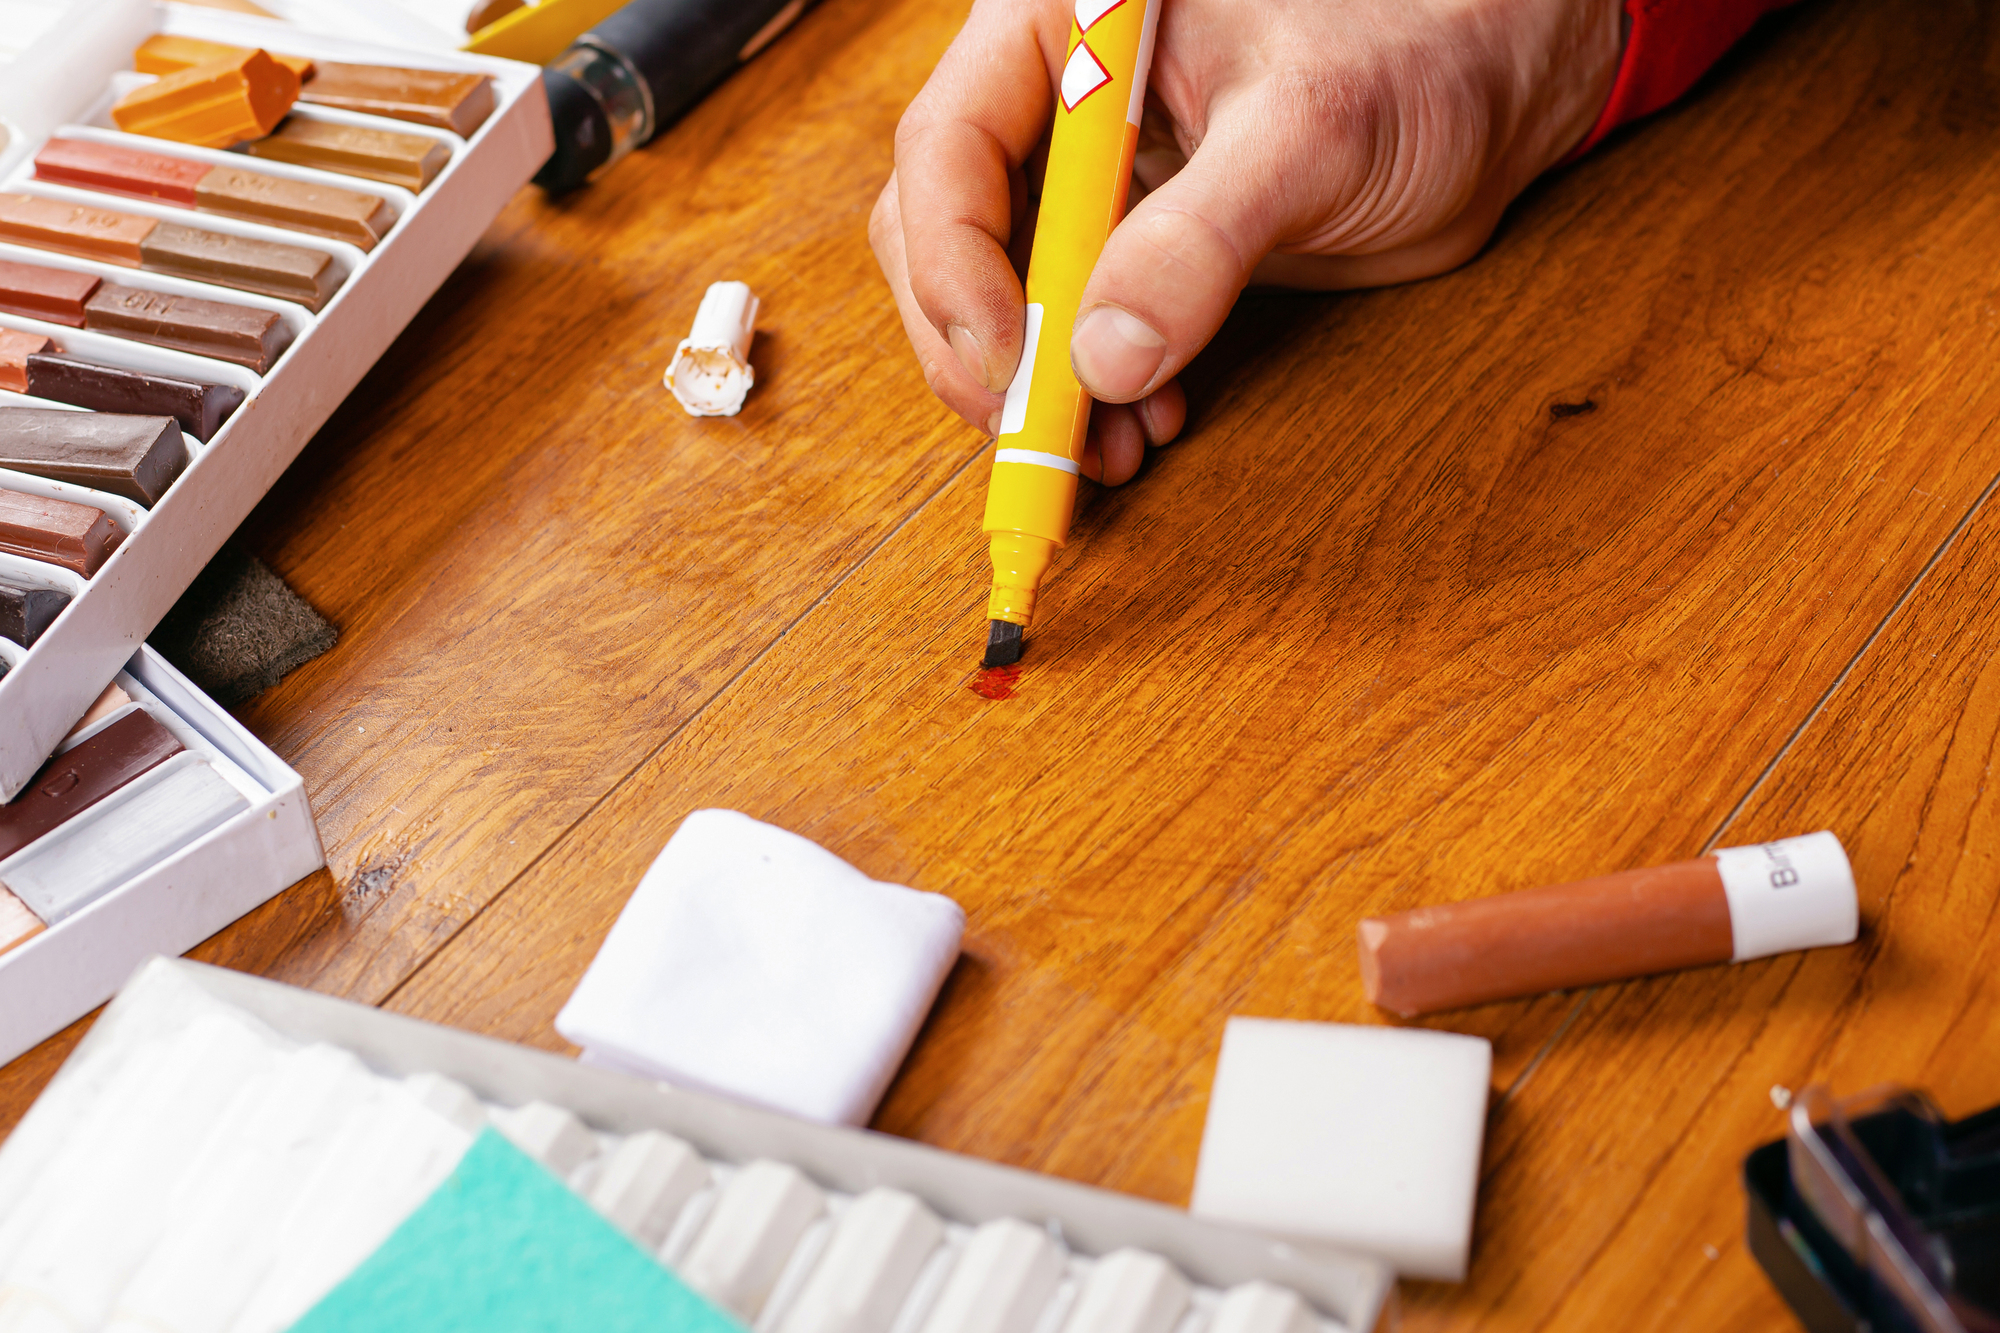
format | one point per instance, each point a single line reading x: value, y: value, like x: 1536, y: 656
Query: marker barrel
x: 640, y: 70
x: 1737, y: 904
x: 1099, y: 98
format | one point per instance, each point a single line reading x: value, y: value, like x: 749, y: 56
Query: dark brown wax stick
x: 74, y: 781
x: 26, y: 612
x: 40, y: 292
x: 199, y: 408
x: 137, y: 457
x: 291, y: 271
x: 243, y: 334
x: 76, y: 537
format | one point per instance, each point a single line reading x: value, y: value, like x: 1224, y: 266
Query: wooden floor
x: 1666, y: 524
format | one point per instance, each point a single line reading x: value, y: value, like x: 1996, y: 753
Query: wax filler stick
x: 137, y: 457
x: 1734, y: 905
x: 83, y: 775
x: 1047, y: 413
x: 324, y: 210
x: 213, y: 105
x: 79, y: 538
x: 640, y: 70
x: 408, y: 160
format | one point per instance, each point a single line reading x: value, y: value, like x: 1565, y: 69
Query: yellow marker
x: 1042, y: 428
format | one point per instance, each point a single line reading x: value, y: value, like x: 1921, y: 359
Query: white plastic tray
x: 64, y: 82
x: 166, y: 995
x: 66, y: 971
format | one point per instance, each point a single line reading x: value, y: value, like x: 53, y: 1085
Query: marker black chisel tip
x: 1003, y: 643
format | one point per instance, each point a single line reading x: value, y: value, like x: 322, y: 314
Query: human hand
x: 1318, y: 144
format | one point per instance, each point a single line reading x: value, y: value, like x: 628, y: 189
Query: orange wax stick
x: 212, y: 106
x: 74, y: 229
x: 164, y: 53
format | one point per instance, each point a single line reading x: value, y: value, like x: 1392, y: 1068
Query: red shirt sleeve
x: 1670, y: 45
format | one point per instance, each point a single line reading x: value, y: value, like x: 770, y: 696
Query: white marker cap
x: 1797, y: 893
x: 710, y: 373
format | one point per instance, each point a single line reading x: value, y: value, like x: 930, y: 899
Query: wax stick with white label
x: 1733, y: 905
x: 1042, y: 427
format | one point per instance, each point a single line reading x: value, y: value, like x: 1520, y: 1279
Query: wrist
x: 1567, y: 64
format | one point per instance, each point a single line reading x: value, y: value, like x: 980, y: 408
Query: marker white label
x: 1014, y: 415
x: 1797, y: 893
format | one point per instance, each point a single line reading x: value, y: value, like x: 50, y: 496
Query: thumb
x: 1173, y: 268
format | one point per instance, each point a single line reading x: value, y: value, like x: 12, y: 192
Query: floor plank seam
x: 1798, y: 732
x: 1826, y: 696
x: 686, y: 722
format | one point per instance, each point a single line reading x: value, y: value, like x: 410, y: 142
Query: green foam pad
x: 504, y: 1247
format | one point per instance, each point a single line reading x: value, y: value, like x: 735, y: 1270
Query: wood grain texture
x: 1401, y: 619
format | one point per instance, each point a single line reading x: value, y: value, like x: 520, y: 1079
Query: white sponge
x: 1364, y: 1136
x: 754, y: 963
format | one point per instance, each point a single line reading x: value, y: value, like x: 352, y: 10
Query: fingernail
x: 969, y: 353
x: 1115, y: 353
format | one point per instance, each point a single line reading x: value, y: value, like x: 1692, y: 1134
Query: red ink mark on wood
x: 996, y: 682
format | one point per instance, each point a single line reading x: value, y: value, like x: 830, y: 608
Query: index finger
x: 959, y: 152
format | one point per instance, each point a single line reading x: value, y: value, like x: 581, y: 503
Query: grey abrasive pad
x: 239, y: 628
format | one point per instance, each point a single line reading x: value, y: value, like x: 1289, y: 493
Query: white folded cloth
x: 753, y: 963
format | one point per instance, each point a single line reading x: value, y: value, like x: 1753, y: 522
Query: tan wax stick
x: 408, y: 160
x: 457, y: 102
x: 271, y: 267
x: 17, y: 924
x: 1737, y: 904
x: 325, y: 210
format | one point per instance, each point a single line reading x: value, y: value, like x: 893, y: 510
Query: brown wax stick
x: 82, y: 776
x: 1733, y: 905
x: 26, y: 612
x: 1583, y: 934
x: 408, y: 160
x: 136, y: 457
x: 77, y: 537
x: 290, y: 271
x: 199, y: 408
x: 449, y: 101
x: 242, y: 334
x: 324, y: 210
x: 73, y: 229
x: 15, y: 349
x: 39, y: 292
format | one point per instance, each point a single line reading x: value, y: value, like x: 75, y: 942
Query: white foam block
x: 1364, y: 1136
x: 752, y: 963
